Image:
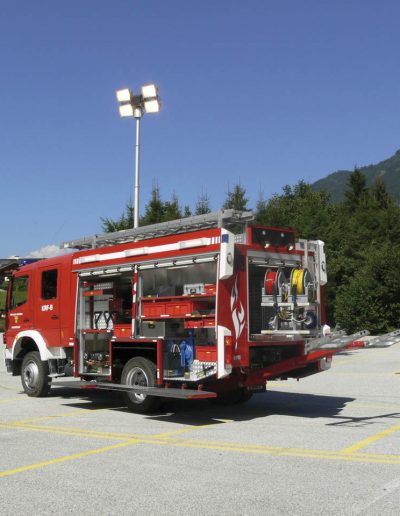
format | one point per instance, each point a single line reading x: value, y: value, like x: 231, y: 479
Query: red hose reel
x: 273, y: 280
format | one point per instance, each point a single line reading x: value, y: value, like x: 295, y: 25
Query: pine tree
x: 357, y: 188
x: 124, y: 222
x: 371, y: 298
x: 301, y: 207
x: 172, y: 210
x: 203, y: 204
x: 187, y: 211
x: 380, y: 193
x: 155, y: 209
x: 236, y: 199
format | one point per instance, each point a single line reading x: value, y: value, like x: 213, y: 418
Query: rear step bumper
x: 183, y: 394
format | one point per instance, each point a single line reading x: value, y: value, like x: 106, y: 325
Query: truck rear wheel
x: 35, y: 375
x: 141, y: 372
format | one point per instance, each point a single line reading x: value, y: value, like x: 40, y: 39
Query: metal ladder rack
x: 216, y: 219
x: 383, y: 341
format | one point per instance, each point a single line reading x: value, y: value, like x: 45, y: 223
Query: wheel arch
x: 133, y: 373
x: 121, y: 357
x: 32, y: 340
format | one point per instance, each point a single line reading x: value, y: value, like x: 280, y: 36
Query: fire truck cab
x: 205, y: 307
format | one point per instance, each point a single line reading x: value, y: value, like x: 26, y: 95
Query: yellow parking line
x: 66, y: 458
x: 63, y: 431
x: 167, y: 438
x: 228, y: 447
x: 81, y: 432
x: 101, y: 434
x: 44, y: 418
x: 372, y: 439
x: 60, y: 415
x: 292, y: 452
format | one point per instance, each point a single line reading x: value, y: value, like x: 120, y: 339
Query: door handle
x: 25, y: 320
x: 54, y: 317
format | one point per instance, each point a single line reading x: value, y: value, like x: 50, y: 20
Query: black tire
x: 140, y: 371
x: 35, y: 375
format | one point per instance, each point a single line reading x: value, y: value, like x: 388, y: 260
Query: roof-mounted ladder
x: 216, y: 219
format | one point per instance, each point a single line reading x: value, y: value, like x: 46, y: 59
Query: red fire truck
x: 205, y: 307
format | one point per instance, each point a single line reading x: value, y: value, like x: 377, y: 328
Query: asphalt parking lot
x: 327, y: 444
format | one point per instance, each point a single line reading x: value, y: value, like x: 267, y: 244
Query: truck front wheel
x: 140, y: 372
x: 35, y: 375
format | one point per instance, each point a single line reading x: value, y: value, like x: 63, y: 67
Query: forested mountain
x: 388, y: 170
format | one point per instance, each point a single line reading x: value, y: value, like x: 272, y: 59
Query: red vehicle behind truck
x: 205, y: 307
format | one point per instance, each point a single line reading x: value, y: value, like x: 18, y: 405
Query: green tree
x: 155, y: 211
x: 155, y: 208
x: 172, y: 210
x: 125, y: 221
x: 381, y: 194
x: 187, y: 211
x: 357, y: 188
x: 236, y: 199
x: 368, y: 221
x: 301, y: 207
x: 203, y: 204
x: 371, y: 298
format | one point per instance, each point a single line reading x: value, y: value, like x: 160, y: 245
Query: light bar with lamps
x: 124, y: 95
x: 134, y: 106
x: 125, y: 110
x: 152, y: 106
x: 149, y: 91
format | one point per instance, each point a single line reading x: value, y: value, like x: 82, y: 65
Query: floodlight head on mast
x: 125, y: 110
x: 124, y: 95
x: 151, y: 100
x: 135, y: 105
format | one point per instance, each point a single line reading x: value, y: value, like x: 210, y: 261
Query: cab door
x: 47, y: 316
x: 19, y: 309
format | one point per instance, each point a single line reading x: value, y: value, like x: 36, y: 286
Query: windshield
x: 3, y: 301
x: 19, y: 292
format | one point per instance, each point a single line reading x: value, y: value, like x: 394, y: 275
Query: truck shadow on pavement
x: 260, y: 406
x: 202, y: 412
x: 364, y: 421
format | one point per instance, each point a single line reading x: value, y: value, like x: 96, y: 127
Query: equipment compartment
x: 175, y: 307
x: 95, y: 354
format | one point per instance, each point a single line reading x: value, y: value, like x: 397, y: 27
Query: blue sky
x: 265, y: 92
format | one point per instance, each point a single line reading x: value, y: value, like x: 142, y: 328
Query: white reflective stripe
x: 136, y: 252
x: 227, y: 255
x: 46, y: 352
x: 148, y: 265
x: 197, y: 242
x: 141, y: 251
x: 88, y: 259
x: 215, y: 240
x: 222, y: 369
